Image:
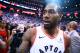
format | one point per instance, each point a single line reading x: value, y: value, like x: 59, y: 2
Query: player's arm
x: 26, y: 42
x: 67, y: 43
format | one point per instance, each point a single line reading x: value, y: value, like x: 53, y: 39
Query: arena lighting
x: 4, y: 6
x: 0, y: 6
x: 76, y: 5
x: 68, y: 14
x: 6, y: 2
x: 66, y: 7
x: 11, y: 9
x: 17, y: 10
x: 28, y: 12
x: 1, y: 0
x: 19, y: 5
x: 75, y: 13
x: 53, y: 1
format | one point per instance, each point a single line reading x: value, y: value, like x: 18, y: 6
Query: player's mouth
x: 46, y: 22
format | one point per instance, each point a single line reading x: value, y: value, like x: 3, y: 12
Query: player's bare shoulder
x: 26, y: 40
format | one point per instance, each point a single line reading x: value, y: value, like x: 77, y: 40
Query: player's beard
x: 51, y: 25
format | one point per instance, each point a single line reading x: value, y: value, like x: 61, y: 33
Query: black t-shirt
x: 17, y: 39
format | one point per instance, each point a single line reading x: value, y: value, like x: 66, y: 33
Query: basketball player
x: 47, y: 38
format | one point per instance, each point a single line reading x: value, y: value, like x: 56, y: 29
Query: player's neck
x: 51, y: 31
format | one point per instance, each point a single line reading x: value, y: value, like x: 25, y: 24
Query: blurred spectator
x: 72, y: 28
x: 3, y: 34
x: 75, y: 38
x: 1, y: 14
x: 16, y: 38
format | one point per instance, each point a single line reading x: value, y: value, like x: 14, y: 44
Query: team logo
x: 50, y: 49
x: 41, y: 37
